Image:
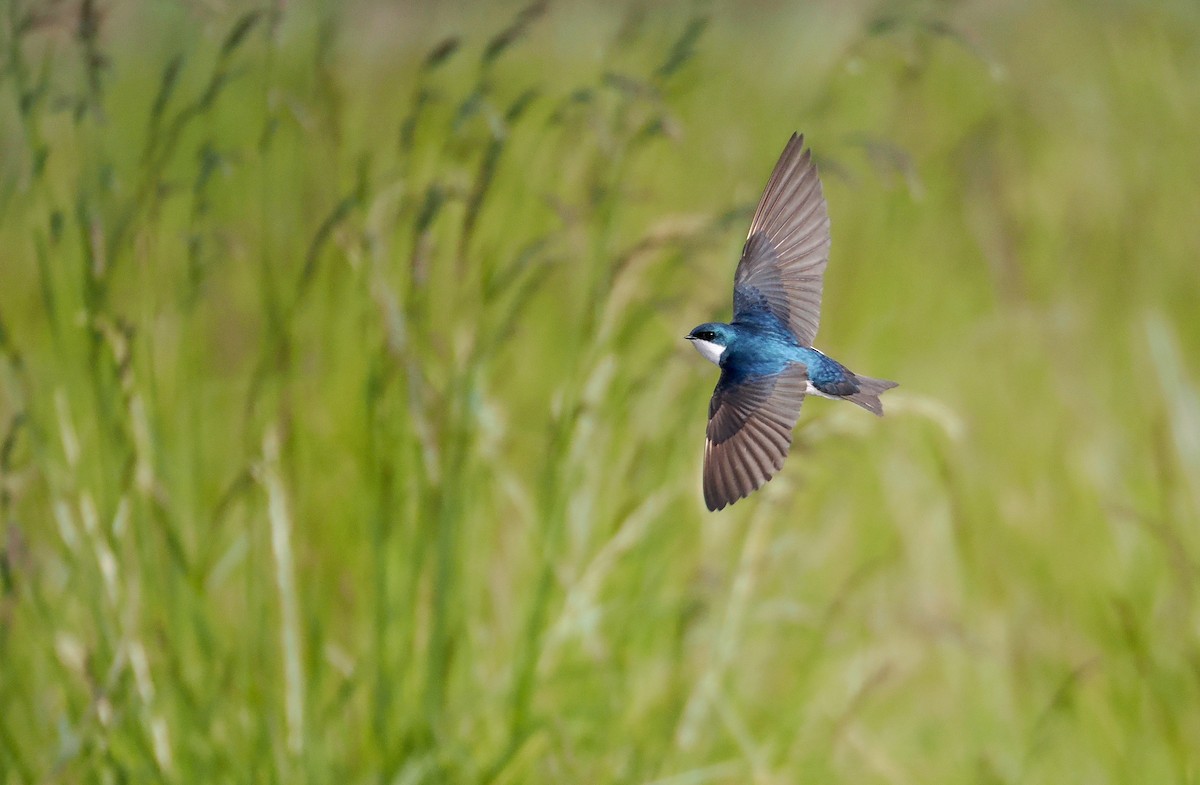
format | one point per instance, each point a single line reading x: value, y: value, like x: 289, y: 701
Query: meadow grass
x: 347, y: 432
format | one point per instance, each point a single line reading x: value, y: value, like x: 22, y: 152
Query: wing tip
x: 717, y: 502
x: 795, y: 152
x: 728, y: 480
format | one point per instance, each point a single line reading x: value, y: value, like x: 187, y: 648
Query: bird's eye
x: 706, y: 335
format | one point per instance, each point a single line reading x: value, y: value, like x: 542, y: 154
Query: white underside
x: 810, y: 390
x: 709, y: 350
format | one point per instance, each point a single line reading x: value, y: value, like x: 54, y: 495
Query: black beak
x: 689, y: 337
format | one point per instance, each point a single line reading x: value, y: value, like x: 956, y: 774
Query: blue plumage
x: 767, y: 360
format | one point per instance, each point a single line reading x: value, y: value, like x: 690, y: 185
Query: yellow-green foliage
x: 347, y: 433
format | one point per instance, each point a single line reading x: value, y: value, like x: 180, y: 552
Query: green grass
x: 347, y: 433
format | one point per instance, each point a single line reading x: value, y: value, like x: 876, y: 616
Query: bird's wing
x: 750, y: 425
x: 783, y: 262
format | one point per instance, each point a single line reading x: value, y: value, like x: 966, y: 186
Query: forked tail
x: 868, y: 393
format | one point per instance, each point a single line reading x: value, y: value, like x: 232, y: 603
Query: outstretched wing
x: 782, y: 267
x: 750, y: 425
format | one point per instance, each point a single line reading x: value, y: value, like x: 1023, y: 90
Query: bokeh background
x: 347, y: 433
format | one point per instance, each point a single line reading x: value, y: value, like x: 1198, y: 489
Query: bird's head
x: 711, y: 339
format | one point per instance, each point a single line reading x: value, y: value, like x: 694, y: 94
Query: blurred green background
x: 347, y: 432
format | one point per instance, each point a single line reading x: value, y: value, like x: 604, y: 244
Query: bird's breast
x: 709, y: 350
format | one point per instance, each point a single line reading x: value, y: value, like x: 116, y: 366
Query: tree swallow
x: 766, y: 357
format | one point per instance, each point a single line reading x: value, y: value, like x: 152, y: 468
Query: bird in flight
x: 766, y: 355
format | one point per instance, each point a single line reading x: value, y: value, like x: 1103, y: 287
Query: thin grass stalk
x: 707, y: 689
x: 280, y: 522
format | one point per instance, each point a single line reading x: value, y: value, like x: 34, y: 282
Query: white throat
x: 711, y: 351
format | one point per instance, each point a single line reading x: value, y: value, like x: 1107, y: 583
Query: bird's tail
x: 868, y: 393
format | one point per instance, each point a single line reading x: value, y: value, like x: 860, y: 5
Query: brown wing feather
x: 749, y: 433
x: 783, y: 261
